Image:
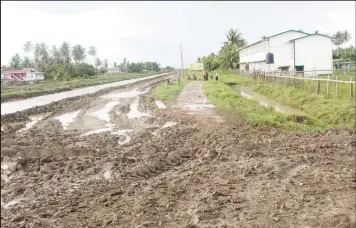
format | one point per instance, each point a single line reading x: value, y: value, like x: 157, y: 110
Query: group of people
x: 206, y: 76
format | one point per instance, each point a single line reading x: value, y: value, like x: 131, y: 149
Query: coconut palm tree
x: 26, y: 62
x: 105, y: 63
x: 78, y: 53
x: 15, y: 61
x: 92, y: 52
x: 37, y: 55
x: 115, y: 64
x: 338, y: 40
x: 28, y: 47
x: 64, y: 51
x: 347, y: 37
x: 97, y: 62
x: 55, y: 55
x: 234, y: 37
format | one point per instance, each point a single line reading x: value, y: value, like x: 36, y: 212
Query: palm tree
x: 44, y: 54
x: 15, y: 61
x: 92, y: 52
x: 347, y: 37
x: 97, y: 62
x: 106, y: 63
x: 78, y: 53
x: 27, y: 47
x: 37, y: 55
x: 55, y: 55
x: 234, y: 37
x: 26, y: 62
x: 198, y: 60
x: 115, y: 64
x: 65, y: 52
x: 338, y: 40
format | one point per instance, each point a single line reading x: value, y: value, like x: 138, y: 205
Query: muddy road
x: 120, y: 158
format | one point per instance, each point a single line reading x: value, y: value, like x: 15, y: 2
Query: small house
x: 26, y: 74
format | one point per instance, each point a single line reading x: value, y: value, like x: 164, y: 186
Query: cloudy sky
x: 145, y: 31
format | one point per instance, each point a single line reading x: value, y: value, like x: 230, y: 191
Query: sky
x: 153, y: 31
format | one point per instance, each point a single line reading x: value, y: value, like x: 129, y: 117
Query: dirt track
x: 173, y: 168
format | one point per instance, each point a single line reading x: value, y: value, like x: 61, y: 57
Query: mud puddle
x: 15, y: 106
x: 160, y: 105
x: 263, y: 101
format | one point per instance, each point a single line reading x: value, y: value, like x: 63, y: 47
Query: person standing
x: 216, y: 76
x: 211, y: 75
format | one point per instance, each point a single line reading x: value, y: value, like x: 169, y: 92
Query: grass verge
x: 229, y: 102
x: 323, y: 113
x: 168, y: 93
x: 9, y: 93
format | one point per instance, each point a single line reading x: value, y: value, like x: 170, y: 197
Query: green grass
x: 168, y: 93
x: 227, y: 101
x: 48, y: 87
x: 324, y: 113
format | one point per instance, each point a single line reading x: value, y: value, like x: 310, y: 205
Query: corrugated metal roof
x: 25, y: 70
x: 291, y: 30
x: 312, y: 35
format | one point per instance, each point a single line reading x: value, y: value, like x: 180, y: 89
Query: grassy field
x: 48, y: 87
x: 167, y: 93
x: 323, y: 113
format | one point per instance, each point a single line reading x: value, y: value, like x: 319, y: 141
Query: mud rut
x: 197, y: 173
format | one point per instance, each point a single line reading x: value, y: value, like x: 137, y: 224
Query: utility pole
x: 181, y: 58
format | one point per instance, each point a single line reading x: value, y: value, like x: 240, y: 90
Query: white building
x: 26, y: 74
x: 292, y: 50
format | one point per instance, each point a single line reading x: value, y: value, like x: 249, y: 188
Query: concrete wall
x: 314, y: 52
x: 282, y: 49
x: 279, y: 45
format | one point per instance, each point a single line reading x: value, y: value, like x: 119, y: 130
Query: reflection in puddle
x: 103, y: 114
x: 160, y: 105
x: 134, y: 112
x: 67, y: 118
x: 169, y: 124
x: 33, y: 122
x: 15, y: 106
x: 248, y: 93
x: 128, y: 94
x: 97, y: 131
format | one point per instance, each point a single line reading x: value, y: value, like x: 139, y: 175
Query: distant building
x: 114, y: 71
x: 292, y: 51
x: 26, y: 74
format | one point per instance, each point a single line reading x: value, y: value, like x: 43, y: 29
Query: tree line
x: 64, y: 62
x: 228, y: 55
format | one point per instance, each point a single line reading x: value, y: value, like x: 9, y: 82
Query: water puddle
x: 134, y: 112
x: 67, y: 118
x: 33, y: 122
x: 15, y: 106
x: 103, y: 114
x: 199, y: 106
x: 263, y: 101
x: 97, y: 131
x: 160, y: 105
x: 169, y: 124
x: 123, y: 133
x: 128, y: 94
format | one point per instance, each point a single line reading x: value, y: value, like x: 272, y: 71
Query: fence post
x: 318, y: 87
x: 351, y: 92
x: 337, y: 90
x: 327, y: 88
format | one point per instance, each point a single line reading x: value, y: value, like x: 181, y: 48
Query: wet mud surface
x: 117, y: 160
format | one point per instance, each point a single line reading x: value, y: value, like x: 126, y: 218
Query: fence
x: 338, y: 84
